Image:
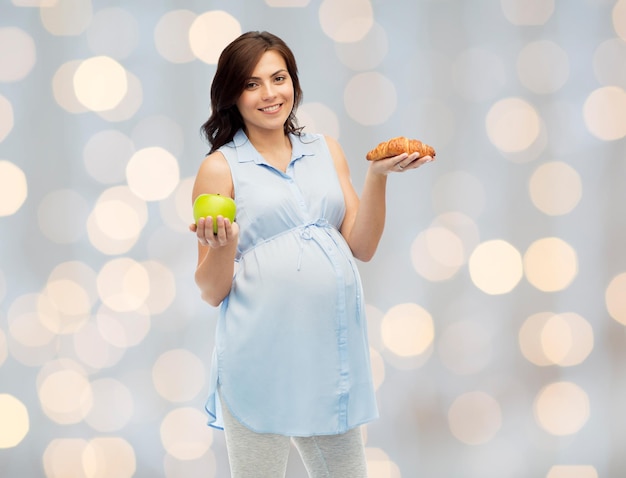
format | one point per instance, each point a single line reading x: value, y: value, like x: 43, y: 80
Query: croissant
x: 399, y: 145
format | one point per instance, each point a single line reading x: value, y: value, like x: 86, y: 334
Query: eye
x: 250, y: 85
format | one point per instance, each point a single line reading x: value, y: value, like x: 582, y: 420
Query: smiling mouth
x: 270, y: 109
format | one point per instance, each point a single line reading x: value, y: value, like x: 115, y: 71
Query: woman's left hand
x: 399, y: 164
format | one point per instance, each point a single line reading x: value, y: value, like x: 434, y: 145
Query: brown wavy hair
x: 234, y: 67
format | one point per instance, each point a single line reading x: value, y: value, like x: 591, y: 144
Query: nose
x: 268, y: 91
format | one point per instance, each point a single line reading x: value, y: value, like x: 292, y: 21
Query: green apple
x: 214, y: 205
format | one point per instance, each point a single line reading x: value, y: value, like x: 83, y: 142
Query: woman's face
x: 267, y: 99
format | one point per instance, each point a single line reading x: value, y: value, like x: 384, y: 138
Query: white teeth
x: 271, y: 108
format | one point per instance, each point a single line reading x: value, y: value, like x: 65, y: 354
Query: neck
x: 268, y: 140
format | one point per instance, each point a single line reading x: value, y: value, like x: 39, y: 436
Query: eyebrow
x: 273, y: 74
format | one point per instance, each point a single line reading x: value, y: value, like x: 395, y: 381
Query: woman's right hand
x: 227, y: 232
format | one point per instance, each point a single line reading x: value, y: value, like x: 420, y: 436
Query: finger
x: 406, y: 160
x: 419, y: 162
x: 205, y: 230
x: 222, y: 233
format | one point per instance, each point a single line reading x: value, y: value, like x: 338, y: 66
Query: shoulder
x: 332, y: 143
x: 336, y: 151
x: 214, y: 176
x: 214, y: 163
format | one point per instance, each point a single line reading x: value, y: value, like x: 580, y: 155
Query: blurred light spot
x: 619, y: 18
x: 65, y: 396
x: 70, y: 301
x: 615, y: 297
x: 176, y: 210
x: 106, y: 154
x: 112, y: 405
x: 379, y: 464
x: 65, y: 305
x: 162, y: 287
x: 543, y: 66
x: 367, y: 53
x: 184, y: 433
x: 178, y: 375
x: 108, y: 457
x: 534, y: 150
x: 287, y: 3
x: 6, y: 118
x: 117, y: 220
x: 407, y: 330
x: 555, y: 188
x: 100, y: 83
x: 462, y: 226
x: 437, y: 254
x: 14, y: 421
x: 478, y: 74
x: 346, y: 21
x: 123, y: 284
x: 550, y: 264
x: 129, y: 104
x: 567, y: 339
x: 113, y: 216
x: 495, y: 267
x: 572, y: 471
x: 63, y: 458
x: 79, y: 272
x: 465, y: 347
x: 93, y: 350
x: 512, y: 125
x: 530, y: 339
x: 113, y: 32
x: 564, y: 339
x: 474, y: 418
x: 67, y: 17
x: 62, y: 215
x: 318, y: 118
x: 527, y: 12
x: 370, y: 98
x: 608, y: 61
x: 562, y: 408
x: 159, y: 131
x: 605, y: 113
x: 378, y: 368
x: 63, y: 87
x: 13, y: 188
x: 210, y: 33
x: 24, y: 324
x: 171, y: 36
x: 17, y: 54
x: 459, y: 191
x: 123, y: 329
x: 152, y: 173
x: 33, y: 356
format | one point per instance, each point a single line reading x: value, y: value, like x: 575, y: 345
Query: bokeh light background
x: 497, y: 299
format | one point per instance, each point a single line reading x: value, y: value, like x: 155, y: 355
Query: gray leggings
x: 264, y: 455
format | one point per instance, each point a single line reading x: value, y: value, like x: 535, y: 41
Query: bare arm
x: 216, y: 252
x: 364, y: 221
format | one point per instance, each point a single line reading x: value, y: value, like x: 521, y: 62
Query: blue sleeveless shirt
x: 291, y: 351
